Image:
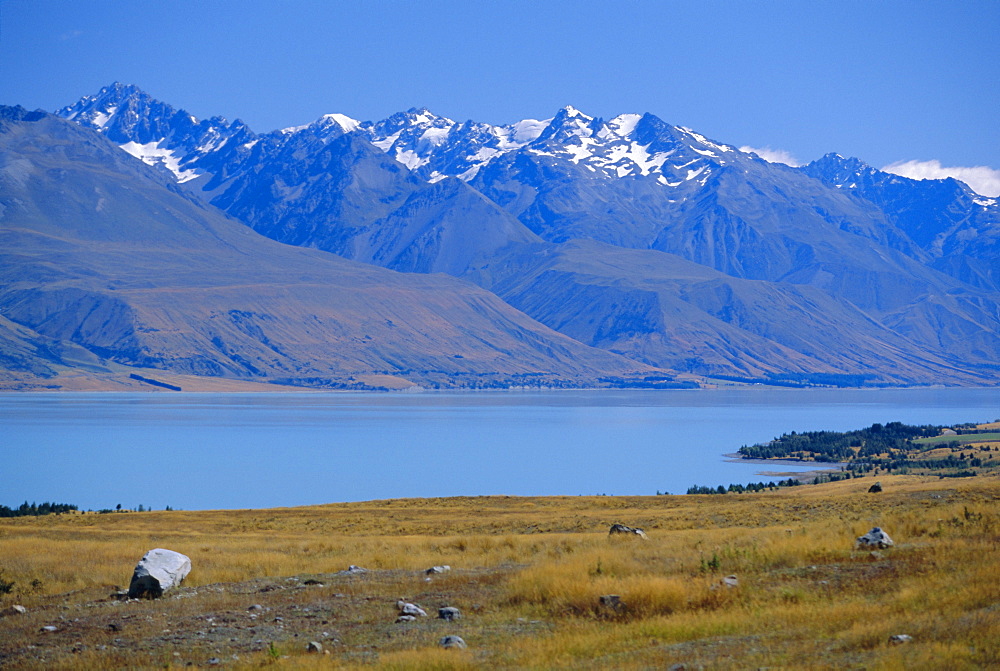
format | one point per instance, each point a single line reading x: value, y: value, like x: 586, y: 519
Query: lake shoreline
x: 823, y: 467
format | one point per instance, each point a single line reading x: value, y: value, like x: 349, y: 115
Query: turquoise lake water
x: 207, y: 451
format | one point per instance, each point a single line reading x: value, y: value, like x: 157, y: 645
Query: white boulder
x: 158, y: 571
x: 406, y: 608
x: 876, y: 538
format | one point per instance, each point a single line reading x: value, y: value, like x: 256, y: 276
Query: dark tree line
x: 35, y: 509
x: 841, y: 446
x: 740, y: 489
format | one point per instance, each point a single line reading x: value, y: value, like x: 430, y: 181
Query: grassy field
x: 979, y: 439
x: 527, y: 575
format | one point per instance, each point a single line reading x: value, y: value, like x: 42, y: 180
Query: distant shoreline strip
x: 155, y: 383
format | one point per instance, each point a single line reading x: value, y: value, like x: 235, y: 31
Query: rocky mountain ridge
x: 748, y: 268
x: 105, y: 263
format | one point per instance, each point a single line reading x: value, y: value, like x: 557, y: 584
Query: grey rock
x: 314, y: 646
x: 13, y: 610
x: 50, y: 628
x: 438, y: 569
x: 876, y: 538
x: 731, y: 581
x: 449, y: 613
x: 617, y: 529
x: 612, y: 601
x: 452, y: 641
x: 876, y: 488
x: 897, y: 639
x: 410, y: 609
x: 406, y: 618
x: 158, y: 571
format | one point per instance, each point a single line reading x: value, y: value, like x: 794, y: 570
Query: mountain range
x: 572, y: 251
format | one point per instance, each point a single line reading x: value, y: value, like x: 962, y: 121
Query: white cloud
x: 984, y: 181
x: 772, y: 155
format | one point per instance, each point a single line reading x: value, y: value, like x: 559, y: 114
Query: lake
x: 208, y: 451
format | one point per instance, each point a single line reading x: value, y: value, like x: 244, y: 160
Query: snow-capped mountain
x: 152, y: 131
x: 630, y: 145
x: 555, y: 215
x: 323, y: 184
x: 107, y: 267
x: 430, y: 146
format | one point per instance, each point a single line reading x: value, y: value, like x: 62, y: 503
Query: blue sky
x: 885, y: 81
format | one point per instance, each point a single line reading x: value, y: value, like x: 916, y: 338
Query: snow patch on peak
x: 624, y: 124
x: 101, y: 118
x: 691, y: 174
x: 341, y: 121
x: 385, y: 144
x: 581, y: 151
x: 153, y: 154
x: 424, y: 116
x: 435, y: 136
x: 345, y: 122
x: 527, y: 130
x: 411, y: 159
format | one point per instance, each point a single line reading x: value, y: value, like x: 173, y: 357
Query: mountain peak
x: 346, y: 123
x: 104, y: 111
x: 120, y: 89
x: 850, y: 162
x: 424, y: 116
x: 840, y: 171
x: 570, y: 112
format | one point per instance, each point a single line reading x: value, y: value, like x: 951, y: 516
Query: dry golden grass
x: 528, y: 574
